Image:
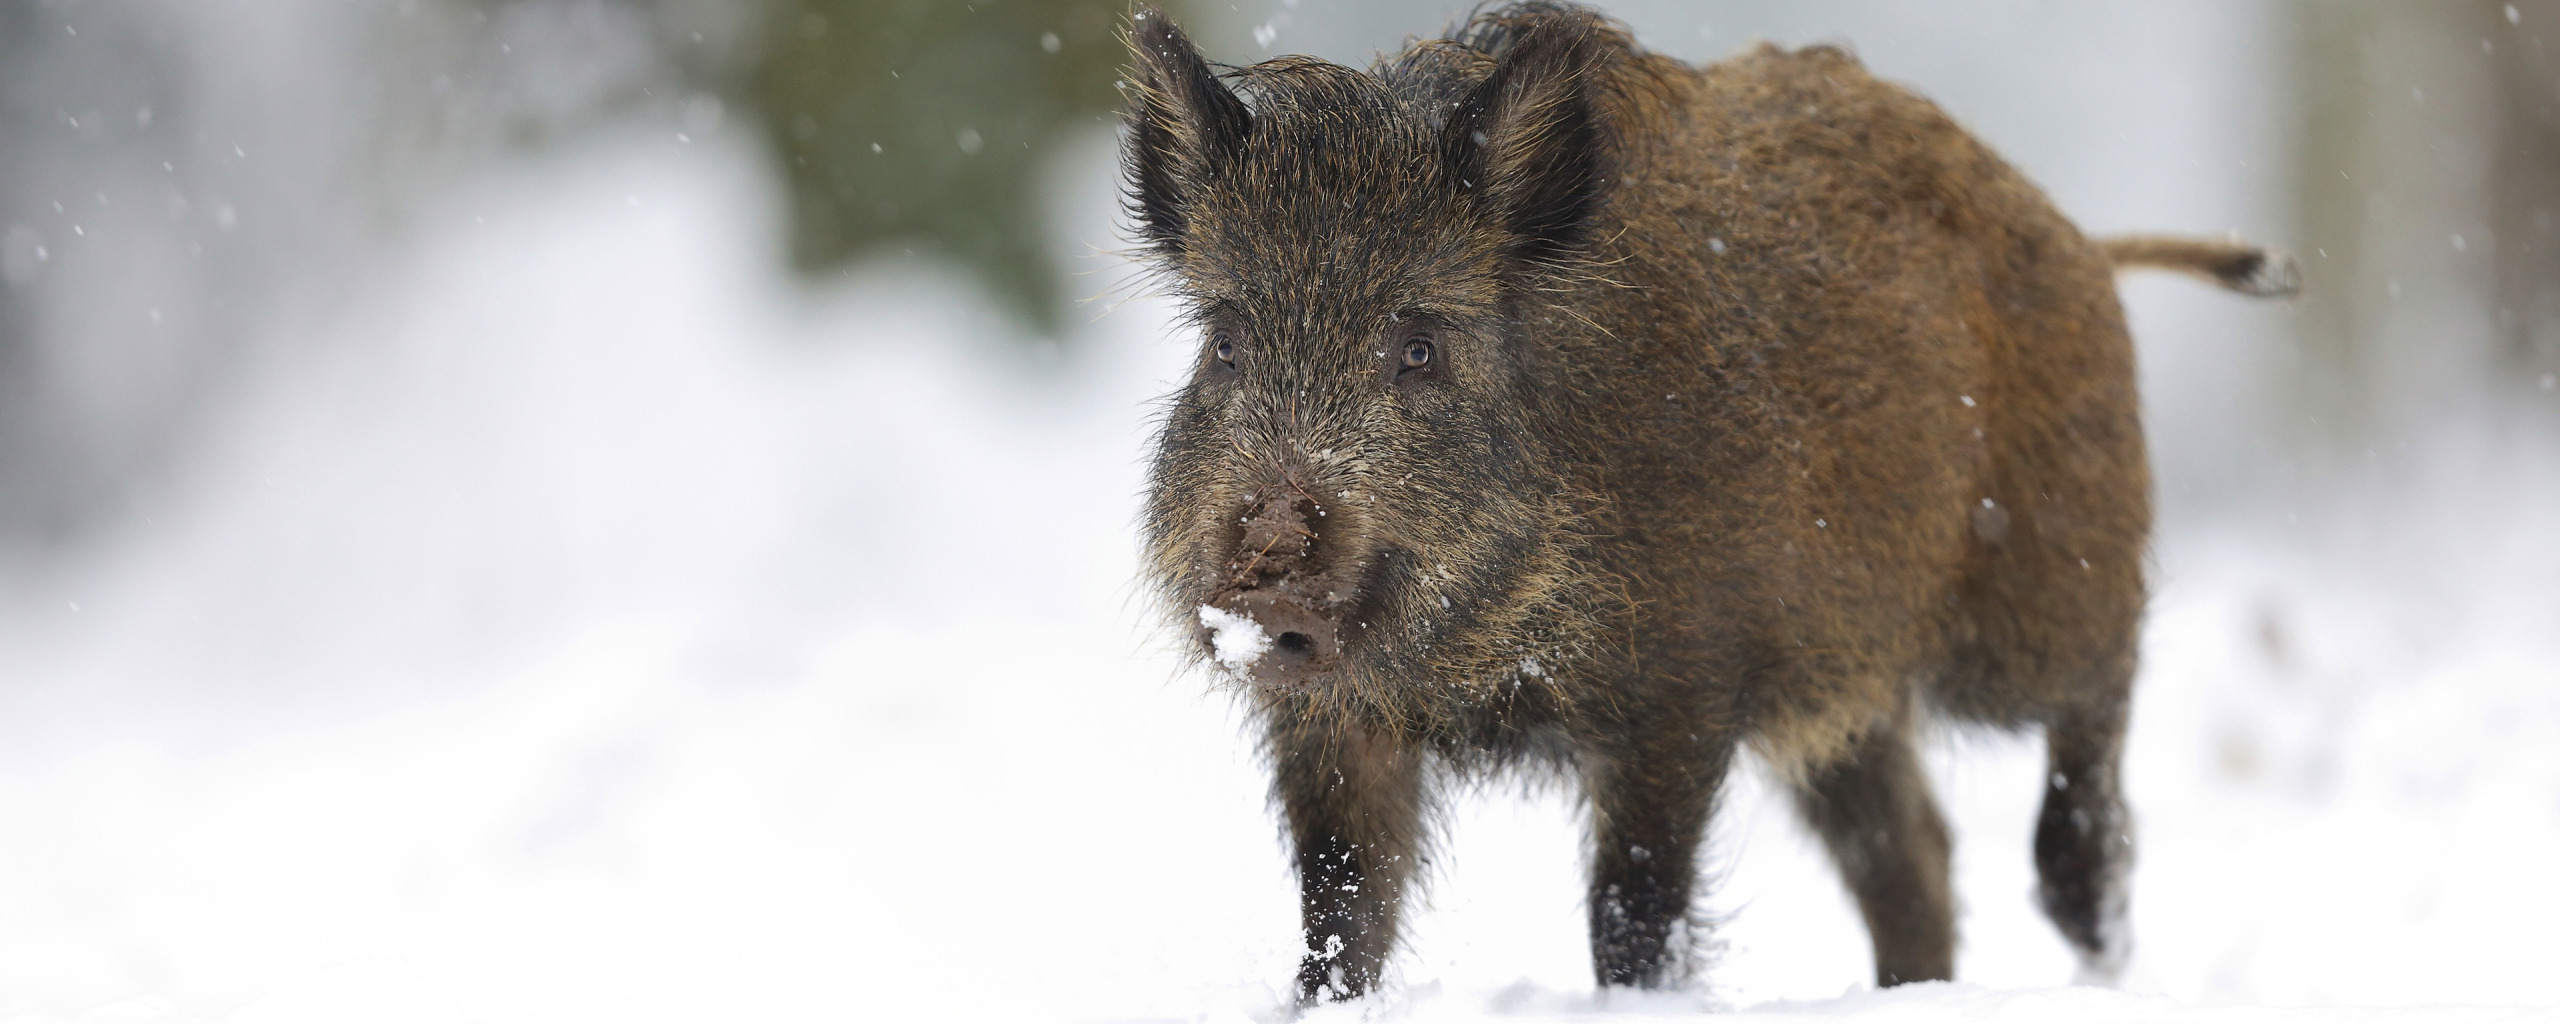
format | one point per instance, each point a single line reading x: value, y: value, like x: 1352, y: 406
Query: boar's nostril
x: 1303, y: 646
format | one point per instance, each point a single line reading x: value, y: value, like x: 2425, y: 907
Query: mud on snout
x: 1277, y: 621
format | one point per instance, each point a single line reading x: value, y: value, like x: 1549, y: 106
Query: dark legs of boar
x: 1873, y: 809
x: 2084, y: 841
x: 1354, y: 804
x: 1649, y: 810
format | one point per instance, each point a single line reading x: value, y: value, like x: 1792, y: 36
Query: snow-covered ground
x: 630, y: 634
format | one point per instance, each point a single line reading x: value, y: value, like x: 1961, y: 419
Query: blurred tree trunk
x: 2525, y: 197
x: 2428, y: 183
x: 928, y: 124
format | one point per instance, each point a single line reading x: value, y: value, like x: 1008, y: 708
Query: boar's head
x: 1360, y: 493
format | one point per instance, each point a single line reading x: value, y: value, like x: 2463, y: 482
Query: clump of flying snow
x: 1236, y: 641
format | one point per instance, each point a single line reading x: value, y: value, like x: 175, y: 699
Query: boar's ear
x: 1533, y: 138
x: 1183, y: 123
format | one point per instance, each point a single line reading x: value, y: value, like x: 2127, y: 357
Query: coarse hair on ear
x: 1533, y: 139
x: 1183, y: 125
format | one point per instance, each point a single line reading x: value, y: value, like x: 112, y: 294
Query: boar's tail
x: 2263, y: 271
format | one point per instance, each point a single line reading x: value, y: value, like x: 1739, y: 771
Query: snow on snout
x: 1236, y: 641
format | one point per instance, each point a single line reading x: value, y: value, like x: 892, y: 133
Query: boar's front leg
x: 1651, y: 790
x: 1354, y: 803
x: 1873, y: 810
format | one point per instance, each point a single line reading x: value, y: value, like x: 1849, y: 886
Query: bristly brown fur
x: 1561, y: 406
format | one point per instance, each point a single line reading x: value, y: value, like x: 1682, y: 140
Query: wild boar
x: 1563, y: 408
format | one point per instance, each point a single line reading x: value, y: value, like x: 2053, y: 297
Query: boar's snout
x: 1279, y: 541
x: 1279, y: 581
x: 1297, y: 645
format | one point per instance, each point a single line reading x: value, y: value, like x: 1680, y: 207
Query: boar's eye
x: 1226, y: 348
x: 1417, y: 352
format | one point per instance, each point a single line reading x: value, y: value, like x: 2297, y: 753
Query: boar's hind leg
x: 1354, y: 804
x: 2084, y: 841
x: 1873, y: 809
x: 1649, y: 808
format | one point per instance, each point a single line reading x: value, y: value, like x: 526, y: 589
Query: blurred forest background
x: 590, y: 496
x: 2412, y: 155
